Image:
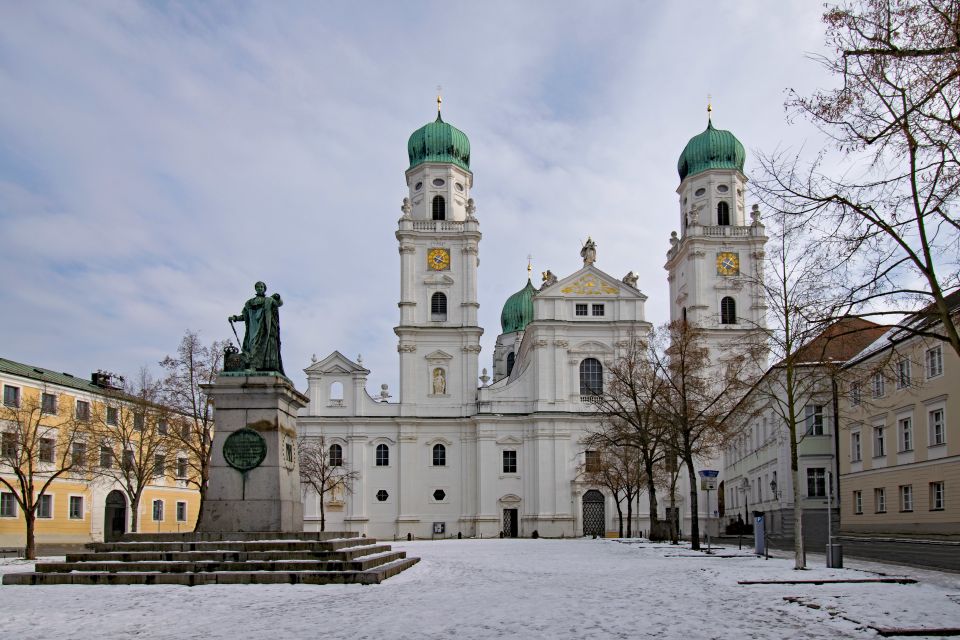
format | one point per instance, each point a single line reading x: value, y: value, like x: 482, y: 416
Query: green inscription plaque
x: 244, y: 449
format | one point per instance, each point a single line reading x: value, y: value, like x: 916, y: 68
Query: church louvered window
x: 723, y: 214
x: 438, y: 306
x: 728, y: 311
x: 439, y: 208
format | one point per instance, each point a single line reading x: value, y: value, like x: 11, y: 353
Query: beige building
x: 46, y: 420
x: 900, y: 442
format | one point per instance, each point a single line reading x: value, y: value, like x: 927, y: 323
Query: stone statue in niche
x: 439, y: 382
x: 589, y: 252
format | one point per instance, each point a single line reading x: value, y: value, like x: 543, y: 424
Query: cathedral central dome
x: 438, y: 141
x: 712, y: 149
x: 518, y: 310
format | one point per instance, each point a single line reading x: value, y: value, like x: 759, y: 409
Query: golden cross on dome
x: 439, y: 97
x: 709, y: 106
x: 529, y: 266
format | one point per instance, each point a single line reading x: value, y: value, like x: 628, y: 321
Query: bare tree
x: 40, y: 443
x: 323, y: 469
x: 628, y: 408
x: 131, y: 431
x: 183, y: 390
x: 615, y: 467
x: 697, y: 396
x: 884, y: 199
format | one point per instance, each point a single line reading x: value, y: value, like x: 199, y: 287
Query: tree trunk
x: 651, y: 498
x: 30, y: 553
x: 799, y: 551
x: 203, y: 500
x: 323, y: 515
x: 134, y: 513
x: 629, y: 516
x: 694, y: 506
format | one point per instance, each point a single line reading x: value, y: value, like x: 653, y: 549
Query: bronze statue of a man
x: 261, y: 340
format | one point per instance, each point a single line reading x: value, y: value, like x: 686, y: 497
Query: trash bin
x: 834, y: 556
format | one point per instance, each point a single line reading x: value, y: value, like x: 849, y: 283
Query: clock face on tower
x: 438, y: 259
x: 728, y: 264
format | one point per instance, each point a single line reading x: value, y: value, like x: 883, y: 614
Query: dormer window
x: 581, y: 310
x: 598, y: 310
x: 439, y: 208
x: 723, y: 214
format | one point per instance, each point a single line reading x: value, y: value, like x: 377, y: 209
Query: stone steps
x: 229, y: 558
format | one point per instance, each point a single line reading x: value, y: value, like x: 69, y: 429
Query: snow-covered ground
x: 479, y: 589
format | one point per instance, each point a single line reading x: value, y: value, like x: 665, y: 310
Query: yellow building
x: 51, y: 420
x: 900, y: 449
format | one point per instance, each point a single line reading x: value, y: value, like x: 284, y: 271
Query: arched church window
x: 336, y: 455
x: 438, y: 306
x: 439, y: 455
x: 591, y: 377
x: 383, y: 455
x: 439, y: 208
x: 511, y: 360
x: 728, y: 311
x: 723, y: 214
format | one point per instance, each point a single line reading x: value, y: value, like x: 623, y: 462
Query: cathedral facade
x: 503, y: 457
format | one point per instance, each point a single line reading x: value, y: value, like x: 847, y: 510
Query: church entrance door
x: 114, y: 516
x: 511, y: 524
x: 594, y: 518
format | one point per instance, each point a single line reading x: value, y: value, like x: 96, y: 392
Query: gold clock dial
x: 438, y: 259
x: 728, y: 264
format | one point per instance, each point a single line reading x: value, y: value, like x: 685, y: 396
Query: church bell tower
x: 438, y: 236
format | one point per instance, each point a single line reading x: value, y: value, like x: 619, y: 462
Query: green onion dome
x: 518, y: 311
x: 712, y: 149
x: 438, y: 141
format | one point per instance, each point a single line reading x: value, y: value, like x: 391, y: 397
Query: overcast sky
x: 155, y: 161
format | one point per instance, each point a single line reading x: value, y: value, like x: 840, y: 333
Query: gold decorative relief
x: 589, y: 285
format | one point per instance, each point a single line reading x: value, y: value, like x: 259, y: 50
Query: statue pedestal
x: 267, y: 497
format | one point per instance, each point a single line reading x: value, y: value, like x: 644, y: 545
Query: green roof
x: 438, y: 141
x: 712, y: 149
x: 518, y: 310
x: 45, y: 375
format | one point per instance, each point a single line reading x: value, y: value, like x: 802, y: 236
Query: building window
x: 83, y: 410
x: 878, y: 444
x: 511, y: 360
x: 439, y: 208
x: 185, y: 431
x: 439, y: 495
x: 439, y: 455
x: 934, y: 362
x: 159, y: 465
x: 509, y: 461
x: 138, y: 422
x: 906, y: 434
x: 723, y: 214
x: 78, y: 455
x: 856, y: 451
x: 728, y: 311
x: 880, y: 500
x: 9, y: 445
x: 106, y: 458
x: 162, y: 426
x: 181, y: 511
x: 937, y: 433
x: 45, y: 449
x: 182, y: 468
x: 45, y: 506
x: 8, y: 505
x: 597, y: 310
x: 855, y: 393
x: 383, y: 455
x: 158, y: 510
x: 48, y: 403
x: 581, y: 309
x: 128, y: 460
x: 816, y: 482
x: 906, y: 497
x: 336, y: 455
x: 878, y: 385
x: 936, y: 496
x: 903, y: 373
x: 814, y: 416
x: 76, y: 507
x: 438, y: 306
x: 591, y: 461
x: 382, y: 496
x: 591, y: 377
x: 858, y: 502
x: 113, y: 416
x: 11, y: 396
